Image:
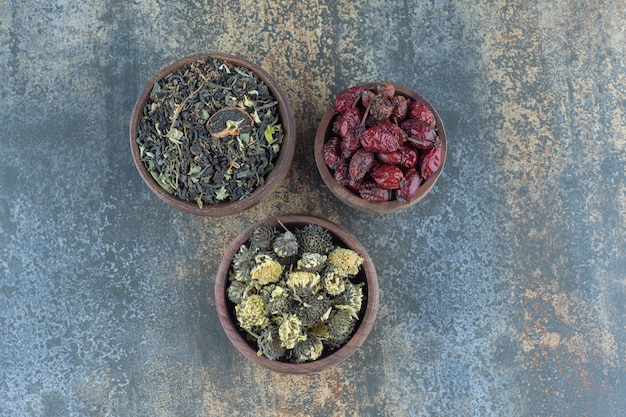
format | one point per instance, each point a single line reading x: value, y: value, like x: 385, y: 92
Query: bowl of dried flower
x: 380, y: 147
x: 212, y: 135
x: 296, y: 294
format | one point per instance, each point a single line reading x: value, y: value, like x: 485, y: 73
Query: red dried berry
x: 385, y: 89
x: 350, y: 143
x: 354, y: 185
x: 395, y: 130
x: 360, y: 164
x: 341, y: 172
x: 409, y: 186
x: 391, y: 158
x: 387, y: 176
x: 370, y: 191
x: 347, y: 98
x: 421, y: 134
x: 418, y: 110
x: 400, y: 107
x: 430, y: 161
x: 409, y: 157
x: 349, y: 120
x: 377, y: 139
x: 332, y: 152
x: 381, y: 108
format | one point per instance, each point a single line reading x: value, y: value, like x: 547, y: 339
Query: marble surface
x: 502, y: 292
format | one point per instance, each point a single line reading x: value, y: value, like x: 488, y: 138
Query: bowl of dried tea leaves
x: 212, y: 135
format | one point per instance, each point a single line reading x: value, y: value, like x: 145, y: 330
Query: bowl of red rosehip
x: 380, y: 147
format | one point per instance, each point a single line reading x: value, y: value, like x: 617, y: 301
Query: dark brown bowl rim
x: 353, y: 199
x: 226, y: 316
x: 274, y: 178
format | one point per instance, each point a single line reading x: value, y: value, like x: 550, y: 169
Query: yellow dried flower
x: 301, y: 281
x: 334, y: 280
x: 346, y: 259
x: 266, y: 270
x: 252, y: 312
x: 290, y: 331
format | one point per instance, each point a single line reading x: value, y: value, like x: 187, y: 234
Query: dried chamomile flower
x: 339, y: 325
x: 308, y: 350
x: 334, y: 280
x: 270, y: 345
x: 346, y: 259
x: 285, y: 245
x: 252, y: 312
x: 262, y: 235
x: 303, y: 283
x: 236, y: 290
x: 266, y: 270
x: 311, y: 262
x: 314, y: 238
x: 243, y: 262
x: 290, y: 331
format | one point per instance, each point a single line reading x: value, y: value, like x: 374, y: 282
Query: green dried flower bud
x: 243, y: 262
x: 252, y: 312
x: 313, y: 308
x: 346, y: 259
x: 314, y: 238
x: 340, y: 325
x: 351, y: 299
x: 285, y: 245
x: 270, y: 345
x: 308, y: 350
x: 277, y: 299
x: 262, y: 235
x: 235, y: 291
x: 311, y: 262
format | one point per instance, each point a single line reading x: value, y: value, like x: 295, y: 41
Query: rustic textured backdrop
x: 502, y: 293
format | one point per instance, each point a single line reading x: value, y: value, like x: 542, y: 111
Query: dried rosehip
x: 430, y: 160
x: 400, y: 107
x: 350, y: 143
x: 395, y: 130
x: 360, y: 164
x: 347, y: 98
x: 381, y: 108
x: 341, y: 172
x: 409, y: 157
x: 421, y: 134
x: 409, y: 186
x: 391, y: 158
x: 370, y: 191
x: 387, y: 176
x: 418, y: 110
x: 354, y: 185
x: 349, y: 120
x: 386, y: 89
x: 332, y: 152
x: 377, y: 139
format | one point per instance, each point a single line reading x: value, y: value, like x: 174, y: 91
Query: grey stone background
x: 502, y: 293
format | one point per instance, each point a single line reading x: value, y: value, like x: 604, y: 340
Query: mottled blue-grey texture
x: 502, y: 292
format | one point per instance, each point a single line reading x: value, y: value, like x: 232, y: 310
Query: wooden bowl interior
x: 367, y: 275
x: 353, y: 199
x: 273, y: 179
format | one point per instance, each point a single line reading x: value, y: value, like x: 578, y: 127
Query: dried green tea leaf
x: 269, y: 134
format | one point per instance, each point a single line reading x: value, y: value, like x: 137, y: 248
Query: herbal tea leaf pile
x: 294, y: 293
x: 210, y: 132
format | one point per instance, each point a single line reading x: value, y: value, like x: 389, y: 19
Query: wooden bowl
x: 352, y: 198
x: 367, y: 275
x: 272, y: 180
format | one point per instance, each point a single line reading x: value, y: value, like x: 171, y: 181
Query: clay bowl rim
x: 351, y: 198
x: 273, y: 179
x: 367, y: 317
